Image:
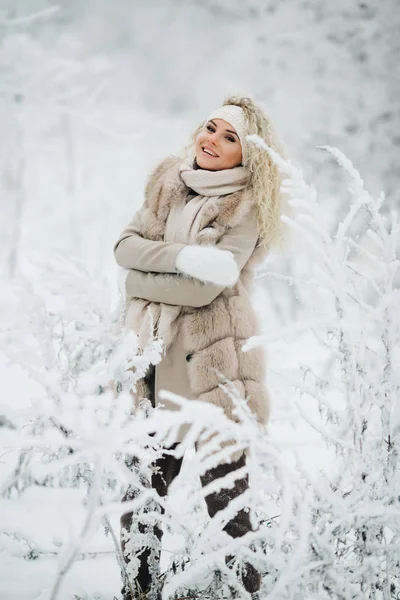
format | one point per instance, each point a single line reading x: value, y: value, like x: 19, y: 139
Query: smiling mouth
x: 208, y: 153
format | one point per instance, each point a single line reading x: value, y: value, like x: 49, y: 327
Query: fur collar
x: 165, y: 185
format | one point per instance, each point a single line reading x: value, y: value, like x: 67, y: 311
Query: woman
x: 208, y: 218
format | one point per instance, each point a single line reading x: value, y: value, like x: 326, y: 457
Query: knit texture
x: 235, y: 116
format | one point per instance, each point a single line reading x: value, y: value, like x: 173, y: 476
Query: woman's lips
x: 207, y: 154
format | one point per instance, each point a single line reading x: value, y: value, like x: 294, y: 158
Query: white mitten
x: 209, y: 264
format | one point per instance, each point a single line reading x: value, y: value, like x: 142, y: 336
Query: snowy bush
x: 76, y: 427
x: 354, y: 278
x: 335, y: 535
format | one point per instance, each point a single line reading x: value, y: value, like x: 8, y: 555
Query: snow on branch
x: 75, y: 428
x: 354, y: 270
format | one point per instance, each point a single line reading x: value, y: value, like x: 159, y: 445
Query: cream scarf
x: 157, y: 319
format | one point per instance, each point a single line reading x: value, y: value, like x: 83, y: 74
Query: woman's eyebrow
x: 228, y: 130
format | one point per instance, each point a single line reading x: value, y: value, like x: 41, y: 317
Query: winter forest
x: 92, y: 95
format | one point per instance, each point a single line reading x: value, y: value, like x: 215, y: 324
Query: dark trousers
x: 168, y: 469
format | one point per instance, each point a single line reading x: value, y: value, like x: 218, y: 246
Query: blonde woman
x: 209, y: 216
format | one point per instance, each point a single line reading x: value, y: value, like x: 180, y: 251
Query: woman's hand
x: 208, y: 263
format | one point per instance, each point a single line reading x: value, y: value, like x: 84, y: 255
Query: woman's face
x: 218, y: 146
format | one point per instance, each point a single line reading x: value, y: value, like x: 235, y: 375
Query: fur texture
x: 213, y: 334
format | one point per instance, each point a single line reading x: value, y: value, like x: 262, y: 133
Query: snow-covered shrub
x: 75, y: 427
x: 70, y: 431
x: 355, y: 318
x: 331, y: 535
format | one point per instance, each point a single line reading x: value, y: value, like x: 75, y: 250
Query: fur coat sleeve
x: 132, y: 251
x: 180, y: 290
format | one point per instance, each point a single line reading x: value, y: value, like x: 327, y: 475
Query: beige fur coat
x: 215, y: 320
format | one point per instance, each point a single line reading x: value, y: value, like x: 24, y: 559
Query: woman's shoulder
x: 164, y: 179
x: 169, y: 163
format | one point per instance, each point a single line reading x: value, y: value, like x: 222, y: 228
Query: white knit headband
x: 235, y: 116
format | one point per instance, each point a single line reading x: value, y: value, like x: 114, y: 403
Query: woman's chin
x: 204, y: 163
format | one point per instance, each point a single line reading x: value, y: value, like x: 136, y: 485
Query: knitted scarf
x: 157, y: 319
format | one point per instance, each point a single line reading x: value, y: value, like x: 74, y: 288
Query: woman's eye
x: 228, y: 137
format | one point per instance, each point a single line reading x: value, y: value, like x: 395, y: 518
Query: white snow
x: 90, y: 99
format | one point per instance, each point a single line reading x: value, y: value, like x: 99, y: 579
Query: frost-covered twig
x: 360, y: 326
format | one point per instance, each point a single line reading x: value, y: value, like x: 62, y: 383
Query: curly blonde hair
x: 265, y: 178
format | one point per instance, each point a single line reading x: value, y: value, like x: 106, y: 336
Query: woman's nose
x: 213, y: 138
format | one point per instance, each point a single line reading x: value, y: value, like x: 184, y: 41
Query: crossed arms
x: 152, y: 273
